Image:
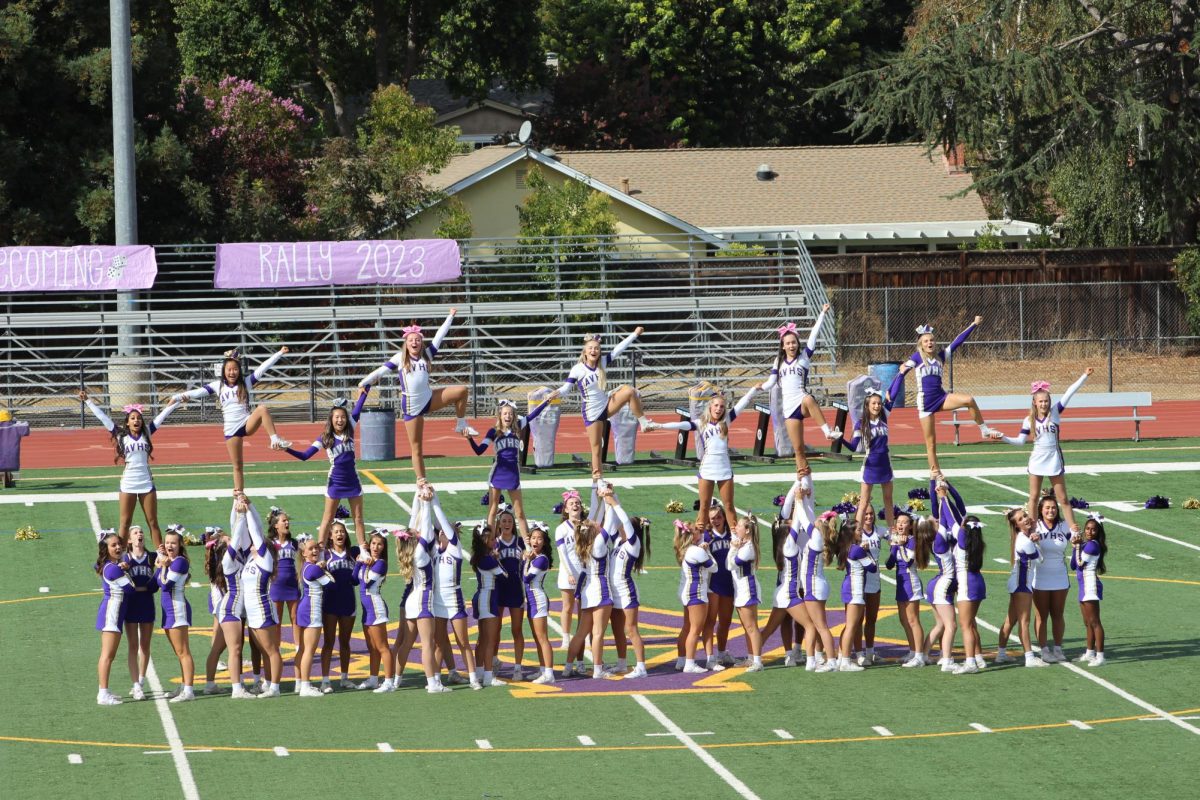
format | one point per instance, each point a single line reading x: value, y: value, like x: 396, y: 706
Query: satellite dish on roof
x: 525, y: 132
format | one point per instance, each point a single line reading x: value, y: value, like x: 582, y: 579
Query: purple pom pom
x: 558, y: 509
x: 845, y: 508
x: 1158, y: 501
x: 342, y: 512
x: 918, y: 494
x: 1079, y: 502
x: 483, y: 501
x: 779, y: 499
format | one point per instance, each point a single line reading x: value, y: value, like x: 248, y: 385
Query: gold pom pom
x: 674, y: 507
x: 917, y: 504
x: 27, y: 533
x: 1191, y: 503
x: 850, y: 497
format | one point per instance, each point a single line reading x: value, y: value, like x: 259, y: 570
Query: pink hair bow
x: 403, y: 534
x: 784, y: 330
x: 828, y: 515
x: 133, y: 407
x: 411, y: 329
x: 570, y: 494
x: 680, y: 525
x: 1039, y: 386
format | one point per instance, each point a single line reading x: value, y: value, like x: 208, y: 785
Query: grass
x: 1151, y: 604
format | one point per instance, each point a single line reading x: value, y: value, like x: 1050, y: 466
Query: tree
x: 608, y: 106
x: 1084, y: 99
x: 738, y: 71
x: 369, y: 185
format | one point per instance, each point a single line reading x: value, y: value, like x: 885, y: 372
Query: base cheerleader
x: 110, y: 618
x: 696, y: 566
x: 139, y: 565
x: 1087, y: 559
x: 910, y: 551
x: 1051, y: 583
x: 539, y: 559
x: 371, y: 577
x: 568, y: 562
x: 172, y: 573
x: 1025, y: 553
x: 631, y: 546
x: 448, y: 605
x: 742, y: 562
x: 310, y: 614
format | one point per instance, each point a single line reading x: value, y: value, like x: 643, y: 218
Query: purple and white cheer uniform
x: 343, y: 480
x: 792, y: 376
x: 592, y: 396
x: 415, y: 392
x: 172, y: 579
x: 234, y: 412
x: 506, y: 471
x: 136, y: 477
x: 110, y: 617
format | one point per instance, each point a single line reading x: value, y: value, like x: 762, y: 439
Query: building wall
x: 487, y: 120
x: 493, y: 203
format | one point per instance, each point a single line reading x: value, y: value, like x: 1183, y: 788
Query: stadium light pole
x: 124, y: 168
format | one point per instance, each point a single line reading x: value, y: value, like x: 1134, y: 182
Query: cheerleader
x: 968, y: 563
x: 230, y: 556
x: 594, y: 546
x: 310, y: 614
x: 110, y: 618
x: 417, y: 397
x: 371, y: 576
x: 417, y: 564
x: 871, y: 540
x: 1050, y: 580
x: 133, y: 445
x: 510, y: 590
x: 872, y: 429
x: 910, y: 551
x: 787, y: 607
x: 695, y: 568
x: 630, y: 548
x: 338, y: 559
x: 943, y: 587
x: 172, y: 573
x: 1025, y: 553
x: 929, y: 362
x: 1046, y: 459
x: 720, y: 590
x: 790, y: 371
x: 448, y: 604
x: 712, y: 440
x: 568, y: 562
x: 598, y: 405
x: 856, y: 561
x: 741, y: 560
x: 285, y: 588
x: 821, y: 549
x: 139, y: 566
x: 539, y: 558
x: 506, y: 471
x: 338, y: 443
x: 256, y: 590
x: 214, y: 541
x: 485, y: 605
x: 1087, y: 559
x: 234, y: 392
x: 597, y: 510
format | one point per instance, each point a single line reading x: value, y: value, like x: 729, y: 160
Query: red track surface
x: 203, y: 444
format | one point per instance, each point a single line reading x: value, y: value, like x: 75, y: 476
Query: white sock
x: 1089, y: 653
x: 825, y: 429
x: 820, y: 656
x: 756, y: 660
x: 431, y: 681
x: 979, y: 661
x: 461, y: 421
x: 1099, y: 654
x: 597, y: 671
x: 547, y: 672
x: 641, y: 665
x: 1030, y: 655
x: 689, y: 662
x: 810, y: 661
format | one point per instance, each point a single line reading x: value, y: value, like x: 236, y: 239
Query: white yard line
x: 1107, y: 520
x: 187, y: 780
x: 709, y: 760
x: 882, y: 731
x: 585, y: 483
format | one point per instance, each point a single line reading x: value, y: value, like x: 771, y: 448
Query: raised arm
x: 356, y: 412
x: 742, y: 404
x: 962, y: 337
x: 262, y: 368
x: 594, y: 510
x: 158, y: 421
x: 442, y: 520
x: 440, y: 336
x: 99, y: 414
x: 239, y: 534
x: 391, y: 365
x: 622, y: 346
x: 1072, y: 389
x: 897, y: 387
x: 811, y: 344
x: 195, y: 394
x: 523, y: 421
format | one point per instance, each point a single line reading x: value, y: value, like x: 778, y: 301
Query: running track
x: 203, y: 444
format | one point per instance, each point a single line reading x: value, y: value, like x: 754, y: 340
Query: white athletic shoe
x: 278, y: 443
x: 239, y: 693
x: 455, y: 678
x: 255, y: 688
x: 714, y: 666
x: 849, y: 666
x: 1085, y: 658
x: 311, y: 691
x: 385, y: 687
x: 1003, y: 658
x: 269, y: 693
x: 346, y: 683
x: 107, y: 698
x: 437, y: 688
x: 137, y: 692
x: 1058, y: 653
x: 649, y: 425
x: 568, y: 670
x: 829, y: 666
x: 915, y: 661
x: 637, y: 672
x: 495, y: 682
x: 544, y: 678
x: 326, y: 686
x: 726, y: 660
x: 834, y: 434
x: 186, y: 693
x: 371, y: 683
x: 1098, y: 661
x: 694, y: 669
x: 518, y: 674
x: 475, y: 684
x: 222, y: 666
x: 789, y: 659
x: 755, y: 666
x: 948, y: 665
x: 986, y: 432
x: 1048, y: 655
x: 461, y: 427
x: 1035, y: 662
x: 966, y: 668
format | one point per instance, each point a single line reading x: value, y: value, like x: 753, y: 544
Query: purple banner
x: 278, y: 265
x: 86, y: 268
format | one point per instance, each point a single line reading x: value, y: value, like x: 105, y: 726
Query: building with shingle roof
x: 836, y: 199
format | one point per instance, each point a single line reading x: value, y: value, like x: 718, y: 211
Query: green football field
x: 1132, y: 725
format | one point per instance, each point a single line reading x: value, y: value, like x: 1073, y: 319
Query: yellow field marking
x: 50, y: 597
x: 589, y: 748
x: 383, y: 487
